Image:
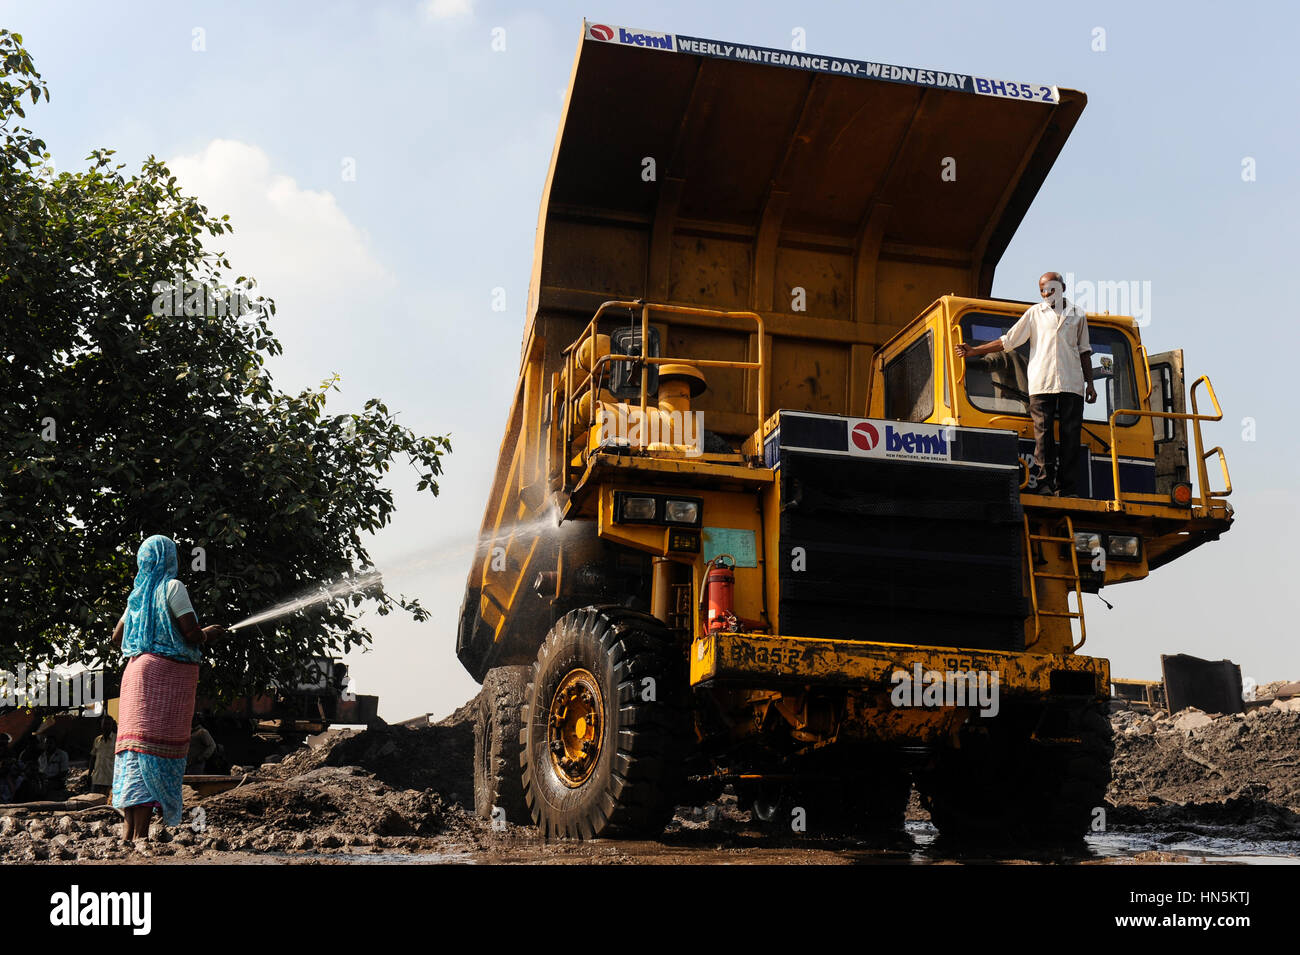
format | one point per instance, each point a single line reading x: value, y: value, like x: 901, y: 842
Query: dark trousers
x: 1068, y: 409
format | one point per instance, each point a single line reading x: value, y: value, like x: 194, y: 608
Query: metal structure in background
x: 1210, y: 685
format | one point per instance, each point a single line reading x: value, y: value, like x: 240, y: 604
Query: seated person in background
x: 11, y: 771
x: 52, y: 766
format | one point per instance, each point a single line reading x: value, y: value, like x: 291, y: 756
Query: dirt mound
x: 1241, y: 769
x: 463, y: 715
x: 389, y: 787
x: 438, y: 758
x: 328, y: 798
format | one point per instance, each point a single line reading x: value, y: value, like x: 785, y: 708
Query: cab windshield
x: 999, y: 383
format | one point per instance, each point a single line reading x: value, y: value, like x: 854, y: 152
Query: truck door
x: 1169, y: 394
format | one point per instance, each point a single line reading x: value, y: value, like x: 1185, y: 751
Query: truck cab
x: 1135, y: 480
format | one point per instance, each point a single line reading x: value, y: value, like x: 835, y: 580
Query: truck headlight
x: 1123, y: 545
x: 637, y: 509
x: 682, y: 512
x: 1087, y: 542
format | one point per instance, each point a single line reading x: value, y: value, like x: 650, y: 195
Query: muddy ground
x: 1190, y: 786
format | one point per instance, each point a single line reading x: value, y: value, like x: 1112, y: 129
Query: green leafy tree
x: 135, y: 400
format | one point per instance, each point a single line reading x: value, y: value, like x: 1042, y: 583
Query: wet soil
x: 1190, y: 787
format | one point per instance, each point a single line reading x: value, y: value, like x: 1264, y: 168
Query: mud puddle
x: 921, y: 846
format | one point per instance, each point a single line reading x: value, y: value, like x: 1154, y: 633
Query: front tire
x: 603, y: 743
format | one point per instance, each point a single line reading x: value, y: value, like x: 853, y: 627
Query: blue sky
x: 388, y: 278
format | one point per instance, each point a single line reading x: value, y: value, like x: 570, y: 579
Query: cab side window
x: 909, y: 382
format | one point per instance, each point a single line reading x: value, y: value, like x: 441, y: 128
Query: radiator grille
x: 901, y: 552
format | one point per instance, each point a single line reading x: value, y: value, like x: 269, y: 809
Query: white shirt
x: 102, y: 749
x: 178, y: 600
x: 1055, y: 344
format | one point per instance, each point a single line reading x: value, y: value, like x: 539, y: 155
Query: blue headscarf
x: 149, y: 627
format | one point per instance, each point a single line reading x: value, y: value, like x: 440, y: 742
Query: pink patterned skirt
x: 156, y: 706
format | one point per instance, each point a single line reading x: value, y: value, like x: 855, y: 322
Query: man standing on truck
x: 1060, y: 377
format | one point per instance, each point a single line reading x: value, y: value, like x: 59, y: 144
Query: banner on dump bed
x: 863, y: 69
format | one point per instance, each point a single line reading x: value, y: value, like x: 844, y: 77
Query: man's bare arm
x: 974, y: 351
x: 1085, y: 359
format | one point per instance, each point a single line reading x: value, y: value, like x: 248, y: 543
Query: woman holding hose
x: 162, y: 642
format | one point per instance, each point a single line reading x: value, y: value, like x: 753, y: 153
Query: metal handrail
x: 1202, y: 476
x: 1203, y: 455
x: 591, y: 331
x: 952, y: 346
x: 1019, y: 419
x: 1146, y: 363
x: 661, y: 360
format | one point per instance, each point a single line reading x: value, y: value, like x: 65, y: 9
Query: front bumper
x: 752, y: 660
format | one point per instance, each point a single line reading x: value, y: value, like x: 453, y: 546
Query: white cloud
x: 447, y: 9
x: 298, y: 243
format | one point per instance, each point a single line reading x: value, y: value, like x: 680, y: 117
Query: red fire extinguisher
x: 719, y: 586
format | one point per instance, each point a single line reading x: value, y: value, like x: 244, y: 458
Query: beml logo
x: 865, y: 436
x: 914, y: 442
x: 602, y: 32
x: 655, y: 41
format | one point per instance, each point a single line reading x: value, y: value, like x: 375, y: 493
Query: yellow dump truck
x: 755, y: 525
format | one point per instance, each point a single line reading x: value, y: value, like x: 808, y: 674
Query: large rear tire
x: 605, y: 734
x: 876, y: 804
x: 855, y: 805
x: 1007, y: 786
x: 497, y: 724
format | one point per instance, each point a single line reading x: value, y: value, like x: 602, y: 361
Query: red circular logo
x: 602, y: 32
x: 865, y: 436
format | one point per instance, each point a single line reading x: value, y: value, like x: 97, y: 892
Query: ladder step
x: 1056, y: 576
x: 1059, y: 613
x: 1048, y: 537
